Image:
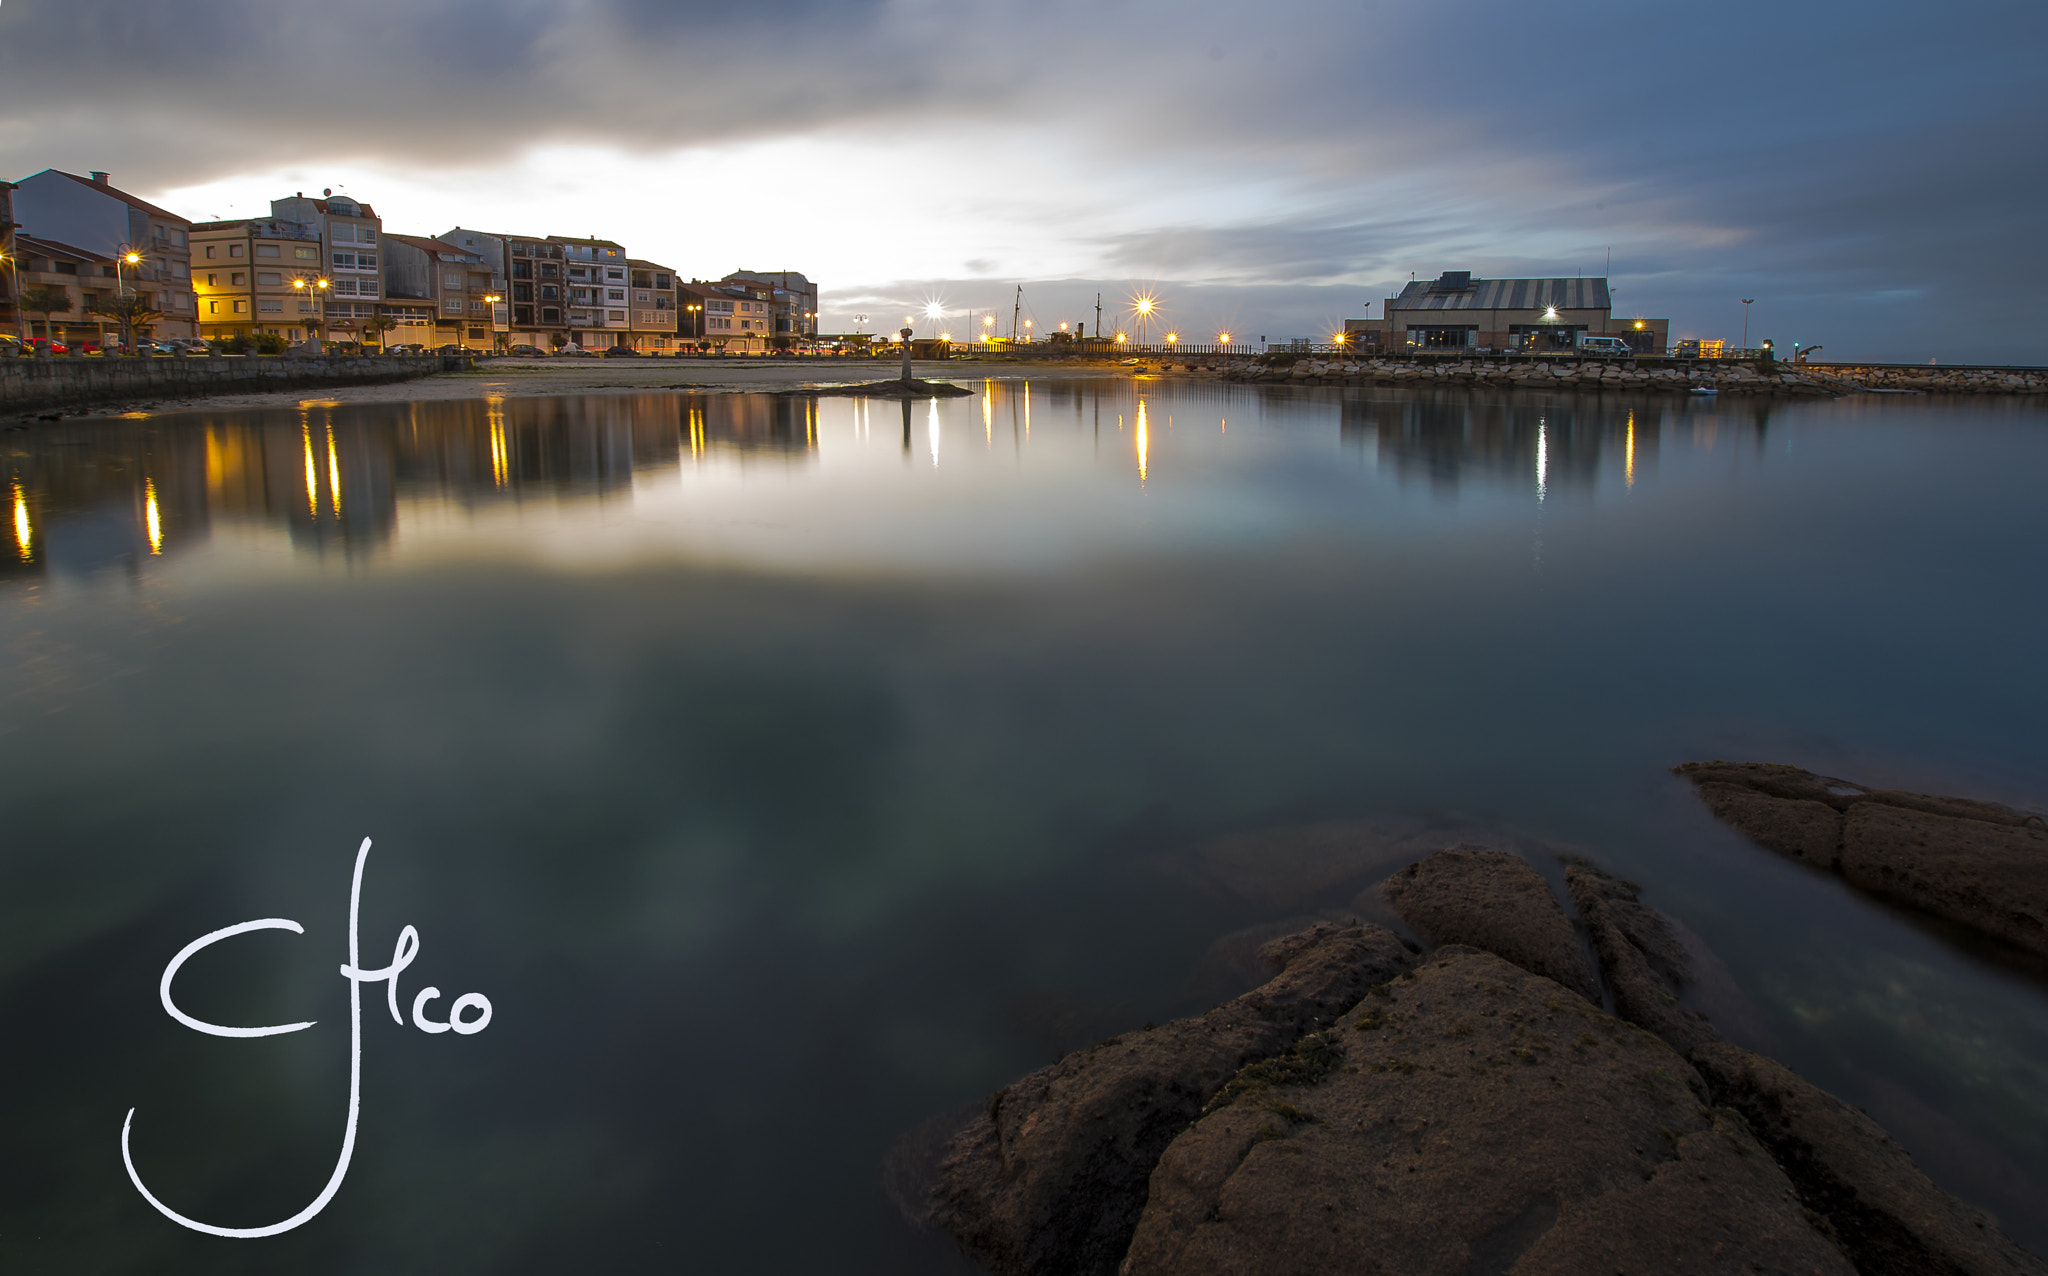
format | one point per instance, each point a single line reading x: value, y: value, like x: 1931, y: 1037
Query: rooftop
x: 1459, y: 290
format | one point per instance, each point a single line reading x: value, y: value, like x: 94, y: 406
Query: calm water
x: 785, y: 773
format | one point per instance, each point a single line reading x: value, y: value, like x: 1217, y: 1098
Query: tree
x: 46, y: 300
x: 133, y: 311
x: 374, y: 328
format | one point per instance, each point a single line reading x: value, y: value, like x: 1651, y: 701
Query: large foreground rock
x: 1474, y: 1118
x: 1051, y: 1178
x: 1887, y: 1217
x: 1979, y: 864
x: 1494, y: 901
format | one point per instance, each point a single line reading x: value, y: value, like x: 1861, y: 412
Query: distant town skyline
x: 1862, y: 172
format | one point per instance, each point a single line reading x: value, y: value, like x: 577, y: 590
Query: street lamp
x: 313, y: 288
x: 125, y: 256
x: 492, y: 299
x: 1222, y: 338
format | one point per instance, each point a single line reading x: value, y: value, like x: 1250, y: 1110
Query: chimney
x: 99, y: 179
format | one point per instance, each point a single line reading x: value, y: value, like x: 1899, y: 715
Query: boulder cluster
x: 1463, y: 1105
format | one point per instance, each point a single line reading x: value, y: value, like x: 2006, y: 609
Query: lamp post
x: 1746, y: 301
x: 312, y: 288
x: 492, y: 299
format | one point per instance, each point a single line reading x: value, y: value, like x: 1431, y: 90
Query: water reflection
x: 1447, y: 439
x: 93, y: 495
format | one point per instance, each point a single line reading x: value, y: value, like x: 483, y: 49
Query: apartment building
x: 463, y: 291
x: 792, y: 301
x: 654, y: 318
x: 92, y: 215
x: 738, y: 317
x: 83, y: 277
x: 352, y: 235
x: 560, y: 290
x: 259, y: 275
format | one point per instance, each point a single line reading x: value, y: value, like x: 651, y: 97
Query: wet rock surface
x: 1051, y: 1177
x: 1493, y: 901
x: 1885, y: 1214
x: 1977, y: 864
x: 1474, y: 1118
x: 1368, y: 1111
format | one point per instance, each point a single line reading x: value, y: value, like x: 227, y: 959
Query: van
x: 1606, y: 347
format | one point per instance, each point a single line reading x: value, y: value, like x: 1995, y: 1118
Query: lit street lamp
x: 312, y: 288
x: 492, y: 299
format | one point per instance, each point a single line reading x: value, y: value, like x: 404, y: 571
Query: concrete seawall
x: 1596, y: 374
x: 39, y: 385
x: 1930, y: 378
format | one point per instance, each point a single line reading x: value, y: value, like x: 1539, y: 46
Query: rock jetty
x: 1977, y: 864
x: 1547, y: 374
x: 1376, y: 1108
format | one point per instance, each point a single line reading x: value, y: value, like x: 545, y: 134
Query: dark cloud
x: 1869, y: 168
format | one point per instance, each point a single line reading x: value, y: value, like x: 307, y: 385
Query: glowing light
x: 1119, y: 337
x: 931, y: 428
x: 312, y: 474
x: 934, y: 310
x: 1550, y: 312
x: 945, y: 336
x: 1222, y: 338
x: 24, y: 534
x: 1172, y: 337
x: 501, y: 453
x: 151, y: 517
x: 1630, y: 454
x: 298, y: 283
x: 1542, y: 462
x: 1142, y: 442
x: 986, y: 320
x: 132, y: 258
x: 333, y: 475
x: 321, y: 284
x: 1639, y: 323
x: 988, y: 413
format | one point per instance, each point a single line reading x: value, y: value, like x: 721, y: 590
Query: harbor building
x: 1460, y: 311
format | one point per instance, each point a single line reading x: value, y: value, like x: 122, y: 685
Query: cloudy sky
x: 1871, y: 172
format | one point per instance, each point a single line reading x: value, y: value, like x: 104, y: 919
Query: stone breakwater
x: 1850, y: 378
x: 1590, y: 374
x: 29, y: 386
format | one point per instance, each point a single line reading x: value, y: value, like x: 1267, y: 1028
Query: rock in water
x: 1645, y: 965
x: 1052, y: 1176
x: 1886, y: 1215
x: 1978, y: 864
x: 1473, y: 1118
x: 1494, y: 901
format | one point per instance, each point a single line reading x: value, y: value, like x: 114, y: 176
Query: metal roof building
x: 1460, y: 312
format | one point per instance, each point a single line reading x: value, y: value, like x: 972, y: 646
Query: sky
x: 1869, y: 173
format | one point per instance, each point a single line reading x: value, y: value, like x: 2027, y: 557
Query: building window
x: 241, y: 307
x: 213, y: 307
x: 615, y: 294
x: 303, y: 254
x: 305, y: 307
x: 451, y: 307
x: 237, y: 280
x: 209, y: 250
x: 268, y: 277
x: 522, y: 292
x: 616, y: 316
x: 661, y: 281
x: 549, y: 270
x: 266, y: 250
x: 270, y: 307
x: 550, y: 315
x: 451, y: 281
x: 234, y: 250
x: 640, y: 297
x: 615, y: 276
x: 212, y: 280
x: 548, y: 292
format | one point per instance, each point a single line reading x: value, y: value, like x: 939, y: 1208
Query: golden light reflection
x: 152, y: 517
x: 697, y: 432
x: 988, y: 414
x: 1143, y: 442
x: 501, y: 461
x: 24, y: 534
x: 312, y: 474
x: 333, y: 474
x: 1630, y: 454
x: 1027, y: 409
x: 931, y: 426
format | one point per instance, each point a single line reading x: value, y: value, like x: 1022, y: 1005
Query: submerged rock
x: 1979, y: 864
x: 1493, y: 901
x: 1641, y: 958
x: 1051, y: 1177
x: 1473, y: 1118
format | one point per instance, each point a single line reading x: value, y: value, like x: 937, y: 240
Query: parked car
x: 574, y: 351
x: 43, y: 345
x: 407, y: 347
x: 526, y: 352
x: 622, y: 352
